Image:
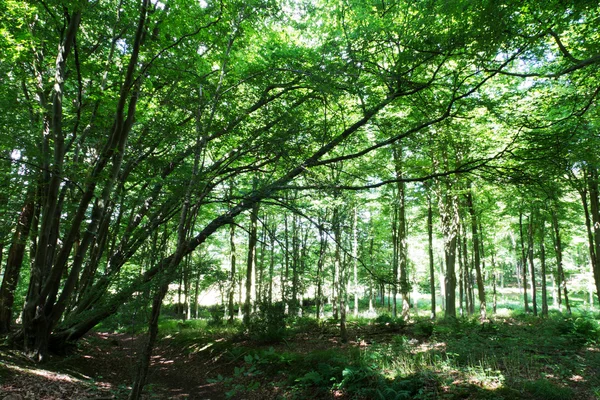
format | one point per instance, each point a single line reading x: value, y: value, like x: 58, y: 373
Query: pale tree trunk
x: 562, y: 284
x: 395, y: 261
x: 286, y: 272
x: 335, y: 284
x: 249, y: 264
x: 295, y: 264
x: 523, y: 263
x: 401, y: 234
x: 271, y: 265
x: 260, y: 294
x: 430, y: 252
x: 530, y: 230
x: 468, y: 281
x: 372, y: 284
x: 355, y: 258
x: 320, y: 263
x: 340, y: 267
x: 477, y: 257
x: 543, y: 268
x: 461, y: 276
x: 233, y: 273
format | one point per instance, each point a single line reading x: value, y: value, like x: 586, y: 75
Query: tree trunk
x: 531, y: 266
x: 294, y: 304
x: 461, y: 277
x: 14, y: 262
x: 250, y: 261
x: 145, y: 356
x: 355, y: 259
x: 286, y: 273
x: 320, y: 263
x: 595, y: 219
x: 559, y: 262
x: 477, y: 257
x: 395, y: 260
x: 271, y: 266
x: 523, y: 264
x: 543, y: 268
x: 430, y: 251
x: 401, y: 234
x: 233, y: 273
x: 450, y: 222
x: 340, y: 267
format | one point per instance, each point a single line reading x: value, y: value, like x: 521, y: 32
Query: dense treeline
x: 305, y: 153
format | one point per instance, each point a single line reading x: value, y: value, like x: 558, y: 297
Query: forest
x: 299, y: 199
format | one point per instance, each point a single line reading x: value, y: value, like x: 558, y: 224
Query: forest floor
x: 518, y: 357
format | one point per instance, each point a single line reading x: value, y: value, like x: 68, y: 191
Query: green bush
x: 269, y: 326
x: 580, y: 330
x: 389, y: 321
x: 216, y: 315
x: 423, y: 328
x: 305, y: 325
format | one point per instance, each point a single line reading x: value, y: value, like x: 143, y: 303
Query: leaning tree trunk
x: 146, y: 355
x: 14, y: 262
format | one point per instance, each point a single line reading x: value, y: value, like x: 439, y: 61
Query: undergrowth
x: 391, y: 359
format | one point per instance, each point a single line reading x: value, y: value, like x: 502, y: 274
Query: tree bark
x: 320, y: 263
x: 595, y: 219
x: 250, y: 261
x: 233, y: 274
x: 523, y: 264
x: 530, y: 230
x: 355, y: 259
x: 559, y: 262
x: 430, y: 252
x: 146, y: 355
x: 477, y: 257
x: 543, y: 268
x: 14, y: 263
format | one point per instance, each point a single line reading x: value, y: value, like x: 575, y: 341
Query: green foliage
x: 579, y: 330
x: 269, y: 326
x: 216, y: 315
x: 389, y: 321
x: 304, y: 325
x: 423, y: 328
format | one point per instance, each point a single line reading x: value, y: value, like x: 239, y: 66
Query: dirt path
x: 103, y: 368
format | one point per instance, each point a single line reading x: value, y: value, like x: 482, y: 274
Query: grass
x: 512, y: 357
